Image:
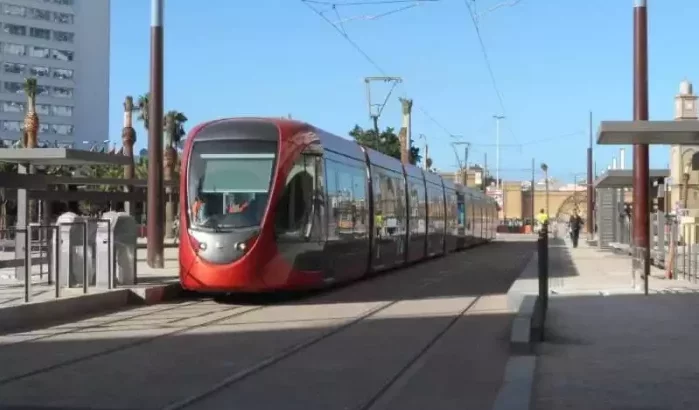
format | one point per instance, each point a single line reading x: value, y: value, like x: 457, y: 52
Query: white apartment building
x: 64, y: 44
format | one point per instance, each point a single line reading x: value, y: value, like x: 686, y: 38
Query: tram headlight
x: 196, y: 245
x: 245, y: 245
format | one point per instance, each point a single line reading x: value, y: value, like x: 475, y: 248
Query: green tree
x: 142, y: 104
x: 386, y: 142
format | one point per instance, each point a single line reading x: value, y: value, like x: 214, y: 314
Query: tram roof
x: 623, y: 178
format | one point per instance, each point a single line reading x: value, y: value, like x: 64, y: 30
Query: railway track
x: 201, y: 352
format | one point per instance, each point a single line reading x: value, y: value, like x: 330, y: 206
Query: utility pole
x: 375, y: 116
x: 485, y: 170
x: 463, y: 166
x: 590, y: 190
x: 405, y: 131
x: 156, y: 205
x: 641, y: 182
x: 497, y: 149
x: 533, y: 192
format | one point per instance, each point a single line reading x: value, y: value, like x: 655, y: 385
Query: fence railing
x: 73, y: 253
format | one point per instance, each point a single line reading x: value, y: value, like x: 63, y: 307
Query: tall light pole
x: 497, y: 150
x: 545, y: 168
x: 641, y: 181
x: 590, y: 188
x: 156, y: 194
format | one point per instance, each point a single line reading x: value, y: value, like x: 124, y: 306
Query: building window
x: 62, y: 129
x: 38, y: 71
x: 63, y: 36
x: 12, y: 87
x: 62, y: 92
x: 13, y: 49
x: 43, y: 128
x: 61, y: 2
x: 12, y: 10
x: 38, y: 14
x: 62, y: 55
x: 38, y: 52
x: 62, y: 73
x: 14, y: 29
x: 62, y: 111
x: 42, y: 33
x: 43, y: 109
x: 43, y: 91
x: 12, y: 106
x: 14, y: 68
x: 63, y: 18
x: 13, y: 126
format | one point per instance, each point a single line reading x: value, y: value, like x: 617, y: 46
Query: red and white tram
x: 273, y: 204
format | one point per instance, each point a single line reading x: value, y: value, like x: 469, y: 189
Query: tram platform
x: 430, y: 336
x: 154, y: 286
x: 607, y: 345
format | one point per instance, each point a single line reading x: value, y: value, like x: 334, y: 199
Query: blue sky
x: 553, y: 61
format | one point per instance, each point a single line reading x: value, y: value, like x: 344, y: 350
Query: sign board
x: 496, y: 194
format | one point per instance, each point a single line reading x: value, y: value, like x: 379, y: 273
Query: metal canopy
x: 684, y: 132
x: 60, y: 156
x: 623, y: 178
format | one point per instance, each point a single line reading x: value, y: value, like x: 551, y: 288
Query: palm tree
x: 179, y: 131
x: 174, y: 136
x: 143, y: 103
x: 31, y: 119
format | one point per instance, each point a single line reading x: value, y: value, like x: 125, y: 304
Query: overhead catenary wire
x: 474, y: 18
x: 380, y: 69
x: 372, y: 61
x: 366, y: 2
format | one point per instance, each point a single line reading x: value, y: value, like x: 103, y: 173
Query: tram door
x: 299, y: 216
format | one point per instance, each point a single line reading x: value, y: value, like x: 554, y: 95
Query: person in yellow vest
x: 378, y: 223
x: 542, y: 218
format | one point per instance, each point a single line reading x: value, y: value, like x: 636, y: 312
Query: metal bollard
x: 543, y: 257
x: 27, y: 264
x: 85, y: 276
x: 57, y: 270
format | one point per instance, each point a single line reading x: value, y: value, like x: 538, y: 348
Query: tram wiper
x: 213, y: 224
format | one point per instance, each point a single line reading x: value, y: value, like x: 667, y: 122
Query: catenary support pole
x: 641, y: 217
x: 156, y: 194
x: 590, y: 189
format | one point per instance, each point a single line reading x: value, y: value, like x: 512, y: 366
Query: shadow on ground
x: 134, y: 365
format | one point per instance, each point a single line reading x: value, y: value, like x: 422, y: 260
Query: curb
x: 32, y: 315
x: 518, y: 382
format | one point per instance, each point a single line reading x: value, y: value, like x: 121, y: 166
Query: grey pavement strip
x: 281, y: 355
x: 237, y: 311
x: 91, y: 326
x: 382, y: 398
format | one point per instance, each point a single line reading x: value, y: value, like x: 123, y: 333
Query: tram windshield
x: 229, y: 183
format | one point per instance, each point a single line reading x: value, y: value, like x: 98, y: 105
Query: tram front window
x: 229, y: 183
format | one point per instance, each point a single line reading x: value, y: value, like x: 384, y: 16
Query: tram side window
x: 346, y: 199
x: 417, y: 207
x: 435, y: 209
x: 297, y: 214
x: 390, y: 202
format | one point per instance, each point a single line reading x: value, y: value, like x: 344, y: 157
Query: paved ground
x: 617, y: 349
x: 433, y: 336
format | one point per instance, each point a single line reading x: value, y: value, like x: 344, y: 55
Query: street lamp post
x: 545, y: 168
x: 155, y: 212
x: 641, y: 182
x: 497, y: 150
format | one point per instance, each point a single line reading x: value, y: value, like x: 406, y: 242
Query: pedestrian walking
x: 574, y: 226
